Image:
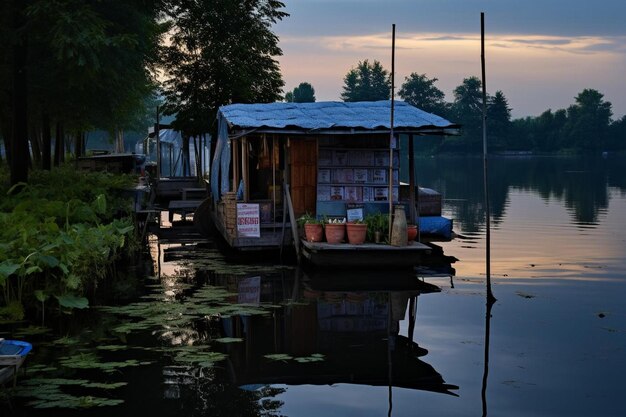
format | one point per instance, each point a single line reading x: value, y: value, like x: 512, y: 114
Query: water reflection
x: 326, y: 334
x: 582, y: 184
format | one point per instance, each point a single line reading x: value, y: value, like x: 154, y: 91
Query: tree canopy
x: 367, y: 82
x: 219, y: 52
x: 82, y: 64
x: 420, y: 91
x: 303, y: 93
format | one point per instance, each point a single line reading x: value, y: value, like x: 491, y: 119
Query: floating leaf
x: 72, y: 301
x: 229, y: 340
x: 279, y: 357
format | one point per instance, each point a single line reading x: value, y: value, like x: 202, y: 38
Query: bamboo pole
x: 490, y: 296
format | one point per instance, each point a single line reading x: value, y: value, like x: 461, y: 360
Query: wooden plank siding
x: 303, y: 157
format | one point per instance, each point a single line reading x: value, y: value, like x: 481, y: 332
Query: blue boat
x: 12, y: 356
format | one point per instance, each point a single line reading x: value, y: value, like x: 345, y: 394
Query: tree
x: 498, y: 119
x: 86, y: 64
x: 420, y: 91
x: 467, y: 110
x: 588, y: 121
x: 366, y: 82
x: 304, y: 93
x: 219, y: 52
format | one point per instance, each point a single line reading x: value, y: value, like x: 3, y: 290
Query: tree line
x: 71, y: 66
x: 586, y: 126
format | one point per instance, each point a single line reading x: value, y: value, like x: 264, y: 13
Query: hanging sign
x: 248, y: 220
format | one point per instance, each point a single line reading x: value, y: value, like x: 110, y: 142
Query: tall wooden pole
x: 490, y: 297
x: 158, y: 143
x: 390, y: 174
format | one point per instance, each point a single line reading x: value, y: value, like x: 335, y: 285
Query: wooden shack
x: 315, y: 158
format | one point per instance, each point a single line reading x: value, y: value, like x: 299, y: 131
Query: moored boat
x: 12, y: 356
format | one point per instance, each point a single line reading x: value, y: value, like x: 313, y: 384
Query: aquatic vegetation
x: 283, y: 357
x: 92, y: 361
x: 48, y: 393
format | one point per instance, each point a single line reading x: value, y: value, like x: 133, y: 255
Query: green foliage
x: 60, y: 236
x: 308, y: 218
x: 366, y: 82
x: 420, y: 91
x: 303, y: 93
x: 377, y: 222
x: 220, y: 52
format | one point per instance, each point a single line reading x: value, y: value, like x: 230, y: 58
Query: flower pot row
x: 336, y: 232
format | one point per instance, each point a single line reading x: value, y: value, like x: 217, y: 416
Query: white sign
x: 248, y: 220
x: 355, y: 214
x: 249, y: 290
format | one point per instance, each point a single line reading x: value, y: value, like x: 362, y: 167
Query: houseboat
x: 275, y: 162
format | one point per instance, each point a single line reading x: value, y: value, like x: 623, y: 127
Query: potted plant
x: 377, y: 227
x: 313, y: 230
x: 357, y: 231
x: 335, y: 230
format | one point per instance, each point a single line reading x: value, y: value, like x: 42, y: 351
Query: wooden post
x: 245, y: 160
x: 412, y: 180
x: 490, y: 296
x: 158, y: 143
x: 235, y: 159
x: 393, y: 68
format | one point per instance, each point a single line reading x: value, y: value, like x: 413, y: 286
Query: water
x: 557, y: 333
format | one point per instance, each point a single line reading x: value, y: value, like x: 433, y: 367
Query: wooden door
x: 303, y: 158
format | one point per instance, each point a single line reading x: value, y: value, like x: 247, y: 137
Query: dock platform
x: 366, y: 255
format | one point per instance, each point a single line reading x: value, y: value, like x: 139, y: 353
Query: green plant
x: 376, y: 222
x: 307, y: 218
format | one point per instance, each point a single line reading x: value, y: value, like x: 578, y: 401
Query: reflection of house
x: 355, y: 331
x: 328, y: 154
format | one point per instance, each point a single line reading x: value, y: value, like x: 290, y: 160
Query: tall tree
x: 366, y: 82
x: 87, y: 63
x: 219, y: 52
x: 467, y: 110
x: 498, y: 119
x: 588, y: 121
x: 420, y: 91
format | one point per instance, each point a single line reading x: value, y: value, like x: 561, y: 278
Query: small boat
x: 12, y: 356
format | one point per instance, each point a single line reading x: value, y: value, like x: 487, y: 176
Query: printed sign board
x: 248, y: 221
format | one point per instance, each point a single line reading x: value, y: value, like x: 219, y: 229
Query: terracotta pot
x: 356, y: 233
x: 335, y: 232
x: 411, y: 231
x: 313, y: 232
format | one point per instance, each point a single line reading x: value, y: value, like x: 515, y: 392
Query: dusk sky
x: 540, y: 53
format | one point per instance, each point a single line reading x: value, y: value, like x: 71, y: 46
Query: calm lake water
x: 360, y: 344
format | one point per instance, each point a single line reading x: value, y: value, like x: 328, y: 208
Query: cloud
x: 535, y: 72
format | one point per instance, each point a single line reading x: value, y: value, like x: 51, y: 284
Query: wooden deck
x: 367, y: 255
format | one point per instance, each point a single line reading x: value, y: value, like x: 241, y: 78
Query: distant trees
x: 367, y: 82
x: 220, y: 52
x: 303, y: 93
x: 585, y: 126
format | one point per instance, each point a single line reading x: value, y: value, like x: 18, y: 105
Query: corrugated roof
x: 369, y: 115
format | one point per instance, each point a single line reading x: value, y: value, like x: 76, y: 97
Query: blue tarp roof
x: 368, y: 115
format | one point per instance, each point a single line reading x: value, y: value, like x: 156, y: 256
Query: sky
x: 539, y: 53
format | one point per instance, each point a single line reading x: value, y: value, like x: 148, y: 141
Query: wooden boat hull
x: 12, y: 356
